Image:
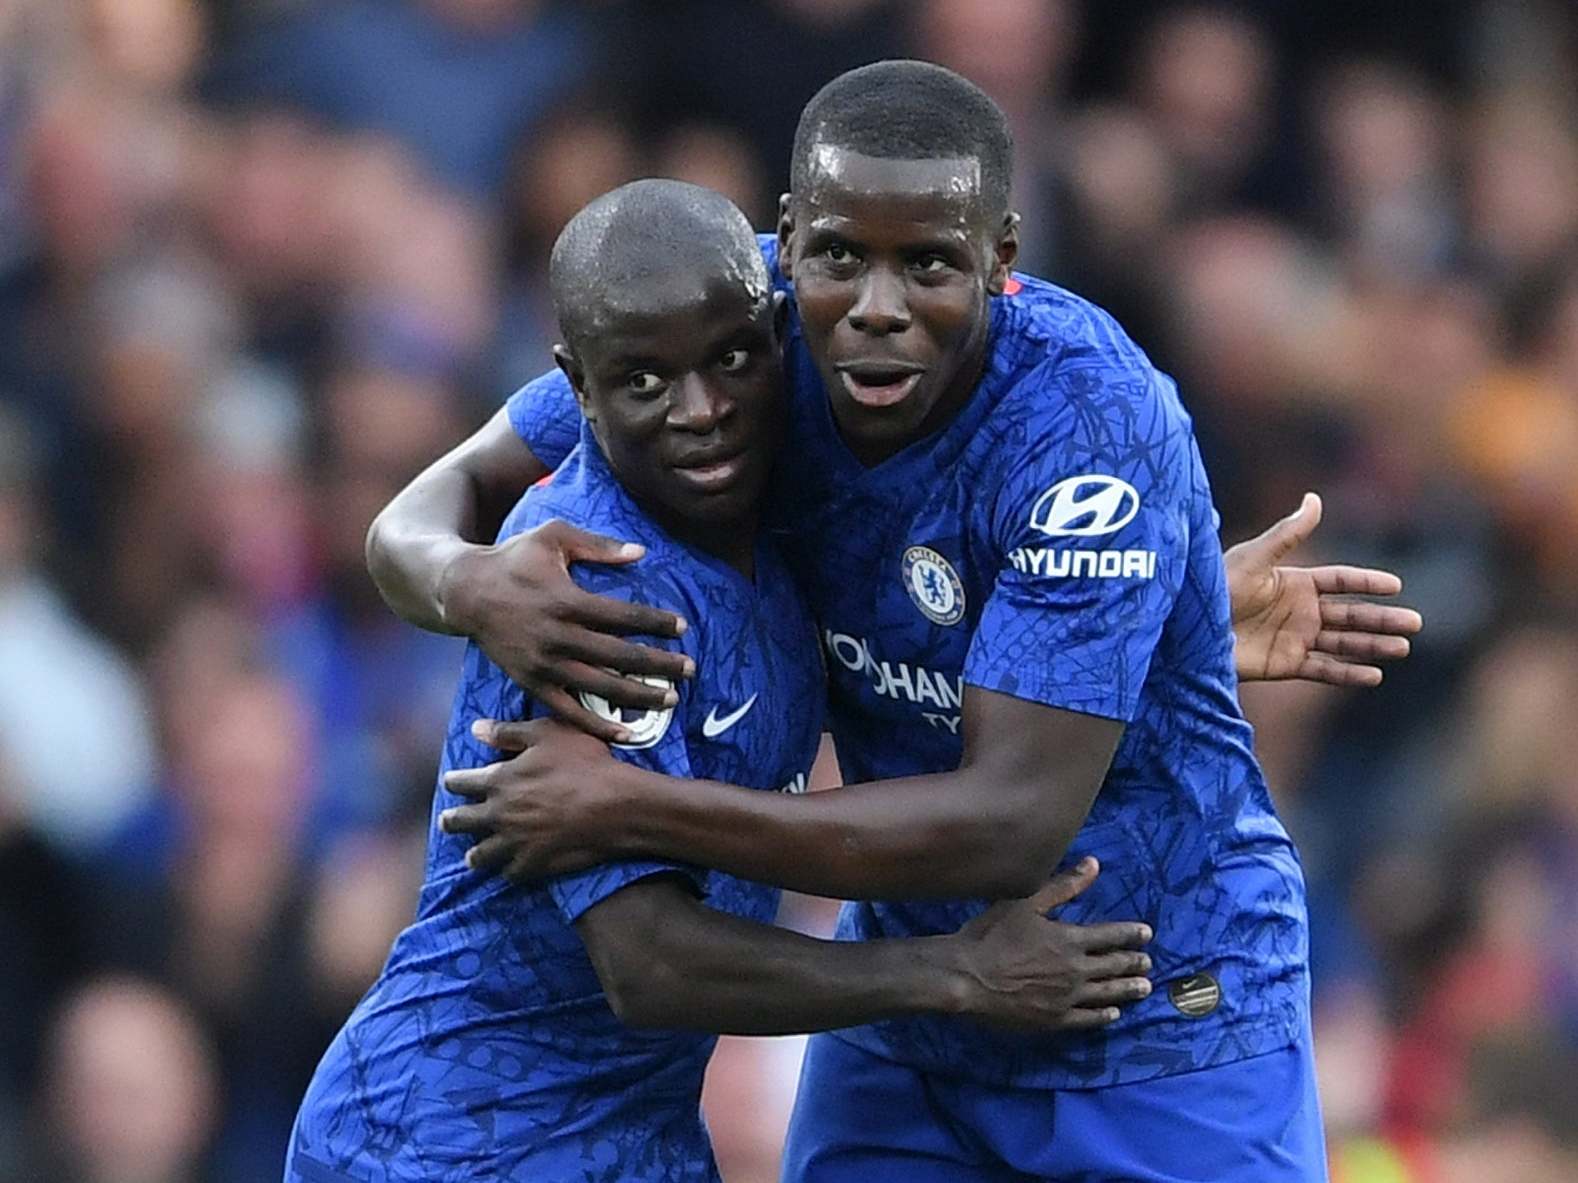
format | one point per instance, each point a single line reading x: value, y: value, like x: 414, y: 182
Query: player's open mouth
x: 713, y: 475
x: 879, y: 384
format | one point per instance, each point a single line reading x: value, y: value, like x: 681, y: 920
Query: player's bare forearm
x: 451, y: 510
x: 667, y: 960
x: 945, y: 836
x: 415, y: 542
x: 430, y: 554
x: 923, y: 837
x: 995, y: 828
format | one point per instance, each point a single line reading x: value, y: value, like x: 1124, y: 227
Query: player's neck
x: 731, y: 542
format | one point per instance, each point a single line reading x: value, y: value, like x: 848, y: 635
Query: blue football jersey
x: 1056, y: 542
x: 486, y: 1048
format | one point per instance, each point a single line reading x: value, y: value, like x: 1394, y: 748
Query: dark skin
x: 683, y: 399
x: 683, y: 395
x: 667, y: 960
x: 894, y: 263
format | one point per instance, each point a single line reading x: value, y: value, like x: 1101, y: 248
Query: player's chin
x: 881, y: 422
x: 720, y: 502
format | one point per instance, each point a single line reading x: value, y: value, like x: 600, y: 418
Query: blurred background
x: 261, y: 260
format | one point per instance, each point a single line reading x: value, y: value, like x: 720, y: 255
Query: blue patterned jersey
x: 1055, y: 542
x: 486, y: 1049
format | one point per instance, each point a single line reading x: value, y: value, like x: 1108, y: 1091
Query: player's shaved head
x: 645, y: 246
x: 907, y: 110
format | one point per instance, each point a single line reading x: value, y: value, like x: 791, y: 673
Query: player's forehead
x: 843, y: 184
x: 675, y: 313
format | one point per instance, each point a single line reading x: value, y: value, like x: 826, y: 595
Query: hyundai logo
x: 1086, y: 505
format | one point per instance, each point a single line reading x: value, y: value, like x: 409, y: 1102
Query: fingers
x: 467, y: 819
x: 625, y: 692
x: 621, y: 617
x: 630, y: 658
x: 1355, y: 581
x: 1318, y: 667
x: 1361, y: 646
x: 582, y: 546
x: 489, y: 855
x: 520, y: 870
x: 1370, y: 618
x: 1066, y: 884
x: 515, y: 735
x: 468, y: 782
x: 1114, y: 991
x: 1081, y: 1019
x: 567, y: 708
x: 1126, y: 964
x: 1097, y: 938
x: 1284, y: 537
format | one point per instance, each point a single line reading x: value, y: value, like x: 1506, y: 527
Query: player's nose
x: 880, y: 307
x: 697, y: 405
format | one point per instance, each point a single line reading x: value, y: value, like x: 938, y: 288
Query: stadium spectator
x: 131, y: 1093
x: 455, y: 81
x: 48, y: 659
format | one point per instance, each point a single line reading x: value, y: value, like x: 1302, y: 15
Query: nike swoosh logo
x: 712, y: 726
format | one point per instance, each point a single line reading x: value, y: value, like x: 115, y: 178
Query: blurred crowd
x: 260, y: 261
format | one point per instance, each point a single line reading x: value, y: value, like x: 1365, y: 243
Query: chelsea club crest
x: 934, y: 585
x: 645, y: 727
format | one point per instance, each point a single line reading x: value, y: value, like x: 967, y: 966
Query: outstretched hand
x: 1289, y: 622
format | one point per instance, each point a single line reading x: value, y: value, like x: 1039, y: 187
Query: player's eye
x: 838, y: 253
x: 735, y: 360
x: 644, y: 383
x: 931, y: 264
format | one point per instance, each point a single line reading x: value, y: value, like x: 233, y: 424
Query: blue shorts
x: 859, y: 1118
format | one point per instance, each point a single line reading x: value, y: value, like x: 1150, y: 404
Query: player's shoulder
x: 547, y: 384
x: 662, y: 578
x: 584, y: 493
x: 1070, y: 366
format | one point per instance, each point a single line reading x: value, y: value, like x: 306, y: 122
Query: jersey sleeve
x: 545, y: 415
x: 658, y: 745
x: 1090, y: 536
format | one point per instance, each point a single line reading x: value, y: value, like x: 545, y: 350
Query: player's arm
x: 451, y: 510
x: 1055, y: 668
x: 665, y: 959
x: 994, y: 828
x: 430, y: 553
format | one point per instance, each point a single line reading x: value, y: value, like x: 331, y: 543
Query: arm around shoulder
x: 451, y: 508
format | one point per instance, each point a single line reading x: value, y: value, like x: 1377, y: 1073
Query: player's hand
x: 518, y: 602
x: 541, y: 811
x: 1289, y: 622
x: 1024, y: 970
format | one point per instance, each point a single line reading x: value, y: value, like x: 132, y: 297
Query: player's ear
x: 566, y: 360
x: 780, y: 317
x: 1005, y: 252
x: 785, y: 233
